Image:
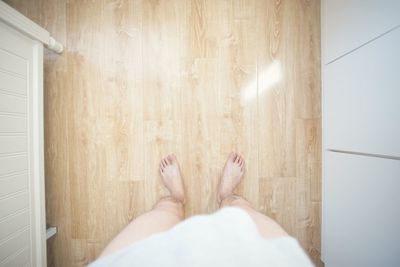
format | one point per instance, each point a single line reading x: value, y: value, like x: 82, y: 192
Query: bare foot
x: 233, y: 172
x: 171, y: 174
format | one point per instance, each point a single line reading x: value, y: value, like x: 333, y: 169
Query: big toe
x: 232, y: 156
x: 172, y: 158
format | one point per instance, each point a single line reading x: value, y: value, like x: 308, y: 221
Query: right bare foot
x: 233, y: 172
x: 171, y: 174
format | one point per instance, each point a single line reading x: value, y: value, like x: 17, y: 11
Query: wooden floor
x: 199, y: 78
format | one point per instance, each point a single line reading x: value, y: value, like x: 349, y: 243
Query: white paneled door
x: 22, y: 215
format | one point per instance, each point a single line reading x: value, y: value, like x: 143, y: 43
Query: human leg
x: 166, y: 213
x: 233, y: 172
x: 267, y: 227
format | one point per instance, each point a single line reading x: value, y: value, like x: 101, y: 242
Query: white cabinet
x: 348, y: 24
x: 22, y: 207
x: 362, y: 99
x: 361, y: 130
x: 362, y: 215
x: 22, y: 217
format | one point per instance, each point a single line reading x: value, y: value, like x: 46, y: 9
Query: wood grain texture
x: 199, y: 78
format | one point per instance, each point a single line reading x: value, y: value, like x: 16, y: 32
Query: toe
x: 237, y: 159
x: 169, y: 158
x: 232, y: 156
x: 172, y: 158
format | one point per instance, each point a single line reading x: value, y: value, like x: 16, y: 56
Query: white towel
x: 228, y: 237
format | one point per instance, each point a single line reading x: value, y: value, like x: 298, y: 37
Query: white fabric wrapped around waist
x: 228, y: 237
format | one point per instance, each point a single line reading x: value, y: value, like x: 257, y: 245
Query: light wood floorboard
x: 199, y: 78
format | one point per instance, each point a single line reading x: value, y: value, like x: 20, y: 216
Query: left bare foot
x: 171, y: 174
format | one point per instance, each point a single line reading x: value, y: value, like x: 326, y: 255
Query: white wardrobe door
x: 348, y: 24
x: 361, y: 213
x: 362, y: 99
x: 21, y: 206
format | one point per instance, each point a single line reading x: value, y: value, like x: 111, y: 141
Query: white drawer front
x: 348, y: 24
x: 361, y: 212
x: 362, y: 99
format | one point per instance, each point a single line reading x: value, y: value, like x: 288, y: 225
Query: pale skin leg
x: 233, y: 172
x: 169, y: 210
x: 166, y: 213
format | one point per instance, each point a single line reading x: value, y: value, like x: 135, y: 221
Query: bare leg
x: 233, y: 172
x: 166, y: 213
